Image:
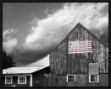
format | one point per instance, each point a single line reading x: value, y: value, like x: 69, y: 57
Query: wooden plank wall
x: 61, y: 62
x: 81, y: 81
x: 57, y: 80
x: 78, y: 63
x: 58, y: 59
x: 103, y: 81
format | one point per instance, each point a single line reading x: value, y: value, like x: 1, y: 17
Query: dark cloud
x: 22, y: 56
x: 51, y: 30
x: 26, y: 57
x: 104, y: 11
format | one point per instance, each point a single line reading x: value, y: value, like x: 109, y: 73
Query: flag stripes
x: 79, y: 47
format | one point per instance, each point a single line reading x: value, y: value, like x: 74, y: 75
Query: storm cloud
x: 55, y: 26
x: 48, y: 32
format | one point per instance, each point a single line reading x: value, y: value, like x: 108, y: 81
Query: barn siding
x: 63, y: 63
x: 57, y: 80
x: 80, y: 61
x: 52, y: 80
x: 82, y: 80
x: 103, y: 81
x: 106, y: 60
x: 58, y: 62
x: 39, y: 79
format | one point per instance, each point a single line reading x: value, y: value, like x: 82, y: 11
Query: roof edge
x: 79, y: 24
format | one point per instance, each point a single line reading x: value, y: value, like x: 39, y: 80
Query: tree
x: 6, y: 61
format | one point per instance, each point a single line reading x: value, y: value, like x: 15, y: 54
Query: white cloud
x: 8, y: 42
x: 34, y: 21
x: 7, y: 32
x: 54, y: 27
x: 9, y: 45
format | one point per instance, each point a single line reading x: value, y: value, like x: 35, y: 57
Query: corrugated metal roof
x: 42, y: 62
x: 22, y: 70
x: 33, y: 67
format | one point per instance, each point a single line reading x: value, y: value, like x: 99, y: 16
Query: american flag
x: 79, y: 46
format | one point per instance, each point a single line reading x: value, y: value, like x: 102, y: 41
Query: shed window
x: 93, y: 78
x: 71, y: 77
x: 21, y: 79
x: 8, y: 80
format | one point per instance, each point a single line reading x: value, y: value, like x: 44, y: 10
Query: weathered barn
x: 25, y: 76
x: 81, y: 59
x: 86, y: 65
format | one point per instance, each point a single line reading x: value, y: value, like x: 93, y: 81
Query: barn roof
x: 22, y: 70
x: 80, y: 25
x: 92, y: 35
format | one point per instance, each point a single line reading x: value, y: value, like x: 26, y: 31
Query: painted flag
x: 79, y: 47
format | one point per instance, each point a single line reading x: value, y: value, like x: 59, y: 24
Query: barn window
x: 93, y: 72
x: 21, y: 79
x: 8, y: 80
x: 71, y: 77
x: 93, y: 78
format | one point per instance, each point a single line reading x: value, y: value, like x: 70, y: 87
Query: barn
x: 25, y: 76
x: 81, y: 59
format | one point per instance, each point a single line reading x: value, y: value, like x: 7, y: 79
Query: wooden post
x: 31, y: 80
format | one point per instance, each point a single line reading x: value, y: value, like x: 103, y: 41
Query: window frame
x: 74, y: 77
x: 6, y: 80
x: 97, y: 80
x: 20, y: 77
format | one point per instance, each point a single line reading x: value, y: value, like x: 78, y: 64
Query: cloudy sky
x: 30, y: 30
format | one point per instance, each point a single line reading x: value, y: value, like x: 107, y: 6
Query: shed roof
x: 30, y: 68
x: 39, y: 63
x: 22, y: 70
